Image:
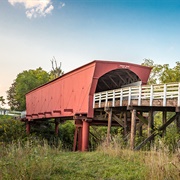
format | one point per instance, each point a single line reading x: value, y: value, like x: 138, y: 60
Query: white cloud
x: 49, y: 9
x: 35, y: 8
x: 61, y: 5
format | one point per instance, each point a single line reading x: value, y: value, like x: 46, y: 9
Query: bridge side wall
x: 73, y: 92
x: 63, y: 97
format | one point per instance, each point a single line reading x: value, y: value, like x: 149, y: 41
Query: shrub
x: 11, y: 129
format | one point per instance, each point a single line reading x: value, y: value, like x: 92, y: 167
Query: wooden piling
x: 56, y: 128
x: 150, y: 123
x: 178, y: 123
x: 140, y: 127
x: 125, y: 124
x: 164, y: 119
x: 28, y: 127
x: 133, y: 129
x: 109, y: 125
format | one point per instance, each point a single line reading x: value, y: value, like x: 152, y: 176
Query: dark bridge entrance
x: 116, y: 79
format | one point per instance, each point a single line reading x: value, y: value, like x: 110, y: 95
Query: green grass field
x: 33, y: 161
x: 25, y: 157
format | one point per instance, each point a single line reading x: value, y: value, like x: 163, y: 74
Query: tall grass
x: 39, y: 160
x: 31, y: 157
x: 160, y: 163
x: 36, y: 159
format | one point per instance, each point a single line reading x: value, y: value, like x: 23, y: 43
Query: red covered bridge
x: 71, y: 96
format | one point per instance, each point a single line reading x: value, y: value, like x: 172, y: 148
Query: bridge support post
x: 85, y: 135
x: 78, y: 135
x: 150, y: 123
x: 125, y: 124
x: 150, y: 126
x: 79, y: 138
x: 133, y: 129
x: 164, y: 121
x: 140, y: 127
x: 140, y: 131
x: 75, y: 139
x: 109, y: 111
x: 178, y: 123
x: 28, y: 127
x: 56, y: 128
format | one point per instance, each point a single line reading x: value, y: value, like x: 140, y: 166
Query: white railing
x: 10, y: 113
x: 145, y: 92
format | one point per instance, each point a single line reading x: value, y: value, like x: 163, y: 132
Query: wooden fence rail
x: 162, y: 92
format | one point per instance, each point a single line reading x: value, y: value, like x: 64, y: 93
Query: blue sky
x: 79, y: 31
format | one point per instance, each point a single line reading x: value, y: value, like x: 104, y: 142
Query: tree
x: 2, y: 101
x: 56, y: 70
x: 170, y: 74
x: 156, y: 71
x: 24, y: 82
x: 12, y: 101
x: 162, y: 73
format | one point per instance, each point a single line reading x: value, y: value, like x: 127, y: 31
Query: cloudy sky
x: 79, y: 31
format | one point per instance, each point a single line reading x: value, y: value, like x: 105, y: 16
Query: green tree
x: 12, y: 101
x: 156, y: 71
x: 2, y: 101
x: 162, y: 73
x: 170, y: 74
x: 24, y: 82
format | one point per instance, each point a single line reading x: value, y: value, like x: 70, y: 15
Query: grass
x: 34, y: 161
x: 45, y: 163
x: 32, y: 158
x: 159, y: 164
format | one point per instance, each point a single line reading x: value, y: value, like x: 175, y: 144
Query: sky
x: 77, y: 32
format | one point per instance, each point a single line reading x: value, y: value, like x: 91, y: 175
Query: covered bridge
x: 71, y: 95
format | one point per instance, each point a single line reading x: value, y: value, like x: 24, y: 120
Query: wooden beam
x: 131, y: 76
x: 113, y: 81
x: 140, y: 130
x: 109, y: 126
x: 99, y: 140
x: 106, y: 84
x: 125, y: 124
x: 169, y: 122
x: 157, y: 132
x: 178, y: 123
x: 119, y: 120
x: 141, y: 118
x: 133, y: 129
x: 164, y: 119
x: 140, y: 124
x: 150, y: 123
x: 121, y: 78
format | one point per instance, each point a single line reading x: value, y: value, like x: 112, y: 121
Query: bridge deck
x: 134, y: 106
x: 160, y: 95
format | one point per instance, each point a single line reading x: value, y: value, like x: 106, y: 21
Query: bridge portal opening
x: 117, y: 79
